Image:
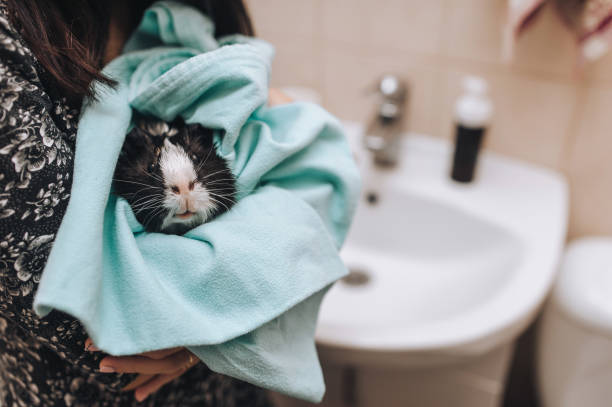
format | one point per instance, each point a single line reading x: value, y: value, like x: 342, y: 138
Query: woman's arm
x: 35, y: 178
x: 37, y: 136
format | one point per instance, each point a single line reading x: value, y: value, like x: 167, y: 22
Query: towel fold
x: 589, y: 20
x: 242, y: 291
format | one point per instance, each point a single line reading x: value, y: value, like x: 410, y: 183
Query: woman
x: 49, y: 55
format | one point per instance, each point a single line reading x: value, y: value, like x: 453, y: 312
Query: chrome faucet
x: 384, y: 131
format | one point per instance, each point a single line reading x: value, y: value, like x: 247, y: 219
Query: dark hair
x: 69, y: 38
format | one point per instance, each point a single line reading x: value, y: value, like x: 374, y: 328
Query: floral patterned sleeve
x: 36, y: 165
x: 42, y: 361
x: 36, y: 153
x: 37, y: 139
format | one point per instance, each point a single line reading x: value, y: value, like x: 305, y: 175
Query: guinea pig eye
x: 151, y: 167
x: 194, y: 157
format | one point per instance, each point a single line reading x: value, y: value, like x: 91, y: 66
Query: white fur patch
x: 176, y: 166
x: 178, y: 171
x: 159, y: 128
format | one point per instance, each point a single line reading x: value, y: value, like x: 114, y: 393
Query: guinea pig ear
x: 199, y: 132
x: 178, y: 122
x: 136, y: 137
x: 158, y: 141
x: 135, y: 143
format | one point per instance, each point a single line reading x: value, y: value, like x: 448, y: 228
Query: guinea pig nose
x: 181, y: 189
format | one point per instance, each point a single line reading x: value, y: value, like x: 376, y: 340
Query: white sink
x: 452, y: 269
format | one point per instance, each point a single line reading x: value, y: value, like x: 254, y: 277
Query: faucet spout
x: 384, y: 130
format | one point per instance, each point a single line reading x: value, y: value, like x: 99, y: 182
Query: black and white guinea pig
x: 172, y: 176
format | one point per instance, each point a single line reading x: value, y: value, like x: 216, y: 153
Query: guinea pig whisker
x: 139, y: 211
x: 155, y: 177
x: 146, y: 205
x: 216, y: 181
x: 219, y: 202
x: 148, y: 218
x: 220, y: 184
x: 134, y: 182
x: 221, y: 193
x: 228, y: 187
x: 220, y: 188
x: 205, y: 159
x: 214, y: 173
x: 227, y: 198
x: 142, y: 202
x: 152, y: 216
x: 155, y: 194
x: 146, y: 200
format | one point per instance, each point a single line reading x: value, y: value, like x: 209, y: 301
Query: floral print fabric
x: 42, y: 361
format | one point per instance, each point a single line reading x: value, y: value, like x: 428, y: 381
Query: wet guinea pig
x: 172, y: 177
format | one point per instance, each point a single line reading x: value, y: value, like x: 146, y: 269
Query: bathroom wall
x: 548, y: 111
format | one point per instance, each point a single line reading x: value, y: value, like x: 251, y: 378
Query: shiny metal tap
x: 385, y: 128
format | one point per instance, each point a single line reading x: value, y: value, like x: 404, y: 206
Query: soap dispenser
x: 473, y: 112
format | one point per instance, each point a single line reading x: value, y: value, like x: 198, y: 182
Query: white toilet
x: 575, y: 336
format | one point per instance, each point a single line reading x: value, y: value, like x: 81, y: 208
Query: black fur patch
x: 138, y: 177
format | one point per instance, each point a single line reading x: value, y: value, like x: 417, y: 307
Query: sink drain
x: 371, y: 198
x: 356, y: 278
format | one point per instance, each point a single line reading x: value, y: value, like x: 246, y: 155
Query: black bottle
x: 473, y: 113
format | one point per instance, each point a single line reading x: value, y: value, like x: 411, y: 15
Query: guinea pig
x: 172, y: 176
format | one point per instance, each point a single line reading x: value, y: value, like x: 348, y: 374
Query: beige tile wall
x: 548, y: 111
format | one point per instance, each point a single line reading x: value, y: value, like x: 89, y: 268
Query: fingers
x: 145, y: 365
x: 160, y: 354
x: 156, y: 368
x: 89, y: 345
x: 155, y: 354
x: 155, y: 384
x: 139, y: 381
x: 158, y: 381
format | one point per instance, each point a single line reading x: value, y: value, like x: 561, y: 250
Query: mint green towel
x: 243, y: 291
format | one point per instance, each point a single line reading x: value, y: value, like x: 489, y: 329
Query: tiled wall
x: 548, y: 111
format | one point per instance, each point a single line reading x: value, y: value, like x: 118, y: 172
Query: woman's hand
x: 155, y: 368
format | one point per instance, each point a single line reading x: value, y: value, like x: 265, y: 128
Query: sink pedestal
x: 473, y: 382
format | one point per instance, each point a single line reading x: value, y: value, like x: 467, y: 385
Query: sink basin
x: 442, y: 266
x: 431, y: 261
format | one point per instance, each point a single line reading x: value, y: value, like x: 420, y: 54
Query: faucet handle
x: 392, y: 88
x: 385, y: 128
x: 392, y: 93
